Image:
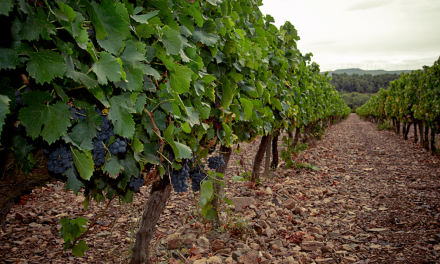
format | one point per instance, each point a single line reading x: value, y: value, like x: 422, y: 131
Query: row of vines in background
x: 110, y: 95
x: 414, y: 99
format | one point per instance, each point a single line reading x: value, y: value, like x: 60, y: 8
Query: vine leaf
x: 36, y: 26
x: 113, y: 167
x: 9, y: 58
x: 115, y: 21
x: 79, y: 76
x: 180, y: 79
x: 4, y: 110
x: 6, y: 7
x: 205, y: 38
x: 144, y: 17
x: 45, y: 65
x: 83, y: 163
x: 107, y: 67
x: 248, y: 107
x: 72, y: 180
x: 171, y: 40
x: 55, y: 119
x: 78, y: 249
x: 120, y: 115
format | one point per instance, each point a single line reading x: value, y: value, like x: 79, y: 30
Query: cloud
x: 364, y: 5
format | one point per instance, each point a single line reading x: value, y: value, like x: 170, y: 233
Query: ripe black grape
x: 197, y: 175
x: 215, y: 163
x: 59, y: 160
x: 78, y: 114
x: 18, y: 97
x: 178, y: 179
x: 118, y: 146
x: 98, y: 152
x: 90, y: 32
x: 136, y: 183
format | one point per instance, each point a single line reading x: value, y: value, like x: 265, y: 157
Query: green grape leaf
x: 9, y: 58
x: 206, y: 192
x: 78, y: 249
x: 170, y: 38
x: 131, y: 167
x: 144, y: 31
x: 36, y: 26
x: 65, y: 12
x: 72, y: 180
x: 186, y: 128
x: 83, y: 162
x: 45, y: 65
x: 180, y: 78
x: 227, y: 93
x: 115, y: 20
x: 248, y: 107
x: 113, y: 167
x: 205, y: 38
x: 120, y: 115
x: 167, y: 61
x: 184, y: 151
x: 137, y: 145
x: 82, y: 135
x: 169, y: 138
x: 6, y: 7
x: 4, y: 110
x: 150, y: 71
x: 144, y: 17
x: 107, y: 68
x: 215, y: 2
x: 78, y: 76
x: 140, y: 103
x: 55, y: 119
x: 198, y: 17
x: 131, y: 55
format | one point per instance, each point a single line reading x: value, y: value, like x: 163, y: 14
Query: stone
x: 325, y: 261
x: 314, y: 229
x: 19, y: 216
x: 378, y: 230
x: 274, y: 247
x: 250, y: 257
x: 277, y: 242
x: 229, y: 260
x: 236, y: 254
x: 214, y: 260
x: 240, y: 202
x: 311, y: 245
x: 318, y: 237
x: 174, y: 243
x: 217, y: 245
x: 269, y: 191
x: 203, y: 242
x: 254, y: 246
x: 350, y: 259
x: 297, y: 211
x: 289, y: 260
x: 289, y: 204
x: 334, y: 234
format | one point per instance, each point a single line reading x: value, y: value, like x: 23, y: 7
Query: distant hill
x: 362, y: 72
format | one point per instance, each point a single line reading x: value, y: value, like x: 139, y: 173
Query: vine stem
x: 156, y: 130
x: 92, y: 223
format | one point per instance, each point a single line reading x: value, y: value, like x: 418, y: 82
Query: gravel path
x: 374, y: 199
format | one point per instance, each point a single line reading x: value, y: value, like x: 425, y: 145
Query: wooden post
x: 267, y: 163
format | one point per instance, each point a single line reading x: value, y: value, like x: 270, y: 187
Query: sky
x: 365, y: 34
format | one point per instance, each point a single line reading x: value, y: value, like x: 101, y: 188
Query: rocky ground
x: 375, y: 198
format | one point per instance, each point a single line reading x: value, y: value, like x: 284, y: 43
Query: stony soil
x: 375, y: 198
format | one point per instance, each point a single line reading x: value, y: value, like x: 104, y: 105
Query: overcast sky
x: 366, y: 34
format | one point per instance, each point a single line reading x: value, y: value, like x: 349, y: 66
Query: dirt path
x: 374, y: 199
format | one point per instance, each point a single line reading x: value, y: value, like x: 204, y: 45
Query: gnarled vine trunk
x: 433, y: 149
x: 259, y: 158
x: 275, y: 157
x: 407, y: 130
x: 297, y: 136
x: 422, y: 139
x: 226, y: 153
x: 426, y: 140
x: 159, y: 194
x: 14, y: 182
x: 416, y: 138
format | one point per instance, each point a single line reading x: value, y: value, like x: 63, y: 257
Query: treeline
x: 355, y: 100
x: 365, y: 83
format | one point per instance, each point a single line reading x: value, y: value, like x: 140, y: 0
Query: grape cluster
x: 78, y: 114
x: 136, y: 183
x: 118, y: 146
x: 103, y: 136
x: 90, y: 32
x: 212, y: 149
x: 216, y: 162
x: 59, y: 160
x: 178, y: 179
x: 19, y: 97
x: 197, y: 175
